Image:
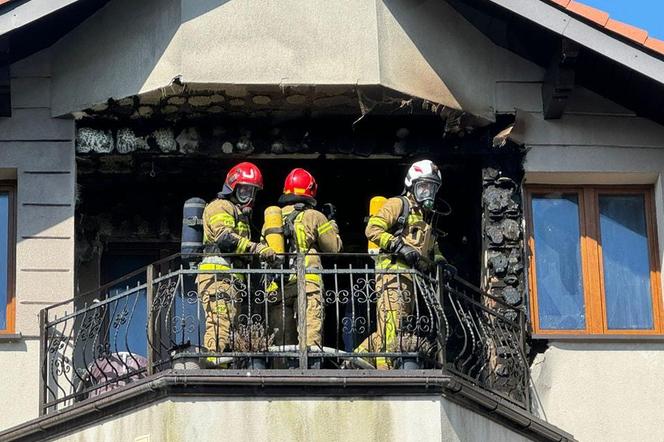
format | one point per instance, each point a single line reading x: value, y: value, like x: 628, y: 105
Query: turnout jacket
x: 225, y: 226
x: 312, y: 233
x: 417, y: 233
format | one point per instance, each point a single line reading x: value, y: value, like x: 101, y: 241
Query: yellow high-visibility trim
x: 213, y: 266
x: 272, y: 287
x: 300, y: 237
x: 324, y: 228
x: 212, y: 360
x: 413, y: 218
x: 207, y: 266
x: 391, y: 323
x: 312, y: 277
x: 242, y: 245
x: 242, y: 227
x: 223, y: 218
x: 379, y: 222
x: 361, y: 349
x: 381, y: 364
x: 387, y: 264
x: 385, y: 239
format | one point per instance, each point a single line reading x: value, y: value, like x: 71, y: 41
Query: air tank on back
x: 191, y: 243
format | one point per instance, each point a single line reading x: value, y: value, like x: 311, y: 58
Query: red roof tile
x: 602, y: 19
x: 632, y: 32
x: 593, y: 14
x: 562, y: 3
x: 655, y: 44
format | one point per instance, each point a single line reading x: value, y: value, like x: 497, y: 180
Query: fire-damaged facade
x: 545, y: 321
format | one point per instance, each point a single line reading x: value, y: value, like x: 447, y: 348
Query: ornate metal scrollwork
x: 164, y: 293
x: 120, y: 318
x: 91, y: 324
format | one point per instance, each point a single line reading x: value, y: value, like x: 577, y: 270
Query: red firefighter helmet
x: 300, y: 182
x: 244, y: 173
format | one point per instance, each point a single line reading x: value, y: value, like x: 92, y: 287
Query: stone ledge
x: 284, y: 383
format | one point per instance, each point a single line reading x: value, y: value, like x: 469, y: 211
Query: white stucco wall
x: 419, y: 48
x: 38, y: 151
x: 603, y: 391
x: 300, y: 419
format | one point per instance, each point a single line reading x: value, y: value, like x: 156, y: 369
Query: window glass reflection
x: 558, y: 262
x: 626, y: 262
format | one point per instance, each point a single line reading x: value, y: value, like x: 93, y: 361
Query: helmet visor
x: 425, y: 190
x: 245, y: 193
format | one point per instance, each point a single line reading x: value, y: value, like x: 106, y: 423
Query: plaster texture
x: 299, y: 419
x: 20, y: 387
x: 419, y: 48
x: 602, y: 391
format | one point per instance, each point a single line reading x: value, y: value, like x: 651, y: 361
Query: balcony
x: 153, y: 320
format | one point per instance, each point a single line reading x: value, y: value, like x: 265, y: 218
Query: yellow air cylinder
x: 274, y: 229
x: 375, y: 205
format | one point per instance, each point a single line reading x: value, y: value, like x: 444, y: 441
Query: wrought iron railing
x: 347, y: 315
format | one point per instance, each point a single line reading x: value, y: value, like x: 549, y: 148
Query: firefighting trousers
x: 396, y: 303
x: 282, y: 315
x: 217, y: 293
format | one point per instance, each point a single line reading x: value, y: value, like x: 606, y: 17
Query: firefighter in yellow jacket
x: 406, y: 238
x: 226, y: 231
x: 307, y: 231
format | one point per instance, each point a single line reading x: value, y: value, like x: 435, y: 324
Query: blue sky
x: 646, y: 14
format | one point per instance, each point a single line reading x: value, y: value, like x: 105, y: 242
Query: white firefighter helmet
x: 423, y: 181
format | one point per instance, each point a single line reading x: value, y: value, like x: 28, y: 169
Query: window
x: 593, y: 261
x: 7, y: 240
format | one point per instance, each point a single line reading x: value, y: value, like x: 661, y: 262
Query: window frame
x: 592, y: 266
x: 10, y: 309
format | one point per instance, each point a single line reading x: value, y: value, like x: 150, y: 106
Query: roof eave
x: 23, y: 14
x: 565, y: 25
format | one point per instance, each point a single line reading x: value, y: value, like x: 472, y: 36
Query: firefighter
x: 226, y: 231
x: 307, y: 231
x: 403, y: 230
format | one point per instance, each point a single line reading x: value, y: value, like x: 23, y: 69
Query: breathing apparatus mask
x: 245, y: 194
x: 425, y: 191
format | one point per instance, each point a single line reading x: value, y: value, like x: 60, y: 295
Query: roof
x: 597, y: 17
x: 610, y: 26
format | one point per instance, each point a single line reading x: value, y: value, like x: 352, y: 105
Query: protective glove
x: 267, y: 254
x: 408, y: 253
x: 425, y: 265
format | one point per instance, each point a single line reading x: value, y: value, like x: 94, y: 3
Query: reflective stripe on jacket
x: 222, y: 219
x: 416, y: 232
x: 313, y: 233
